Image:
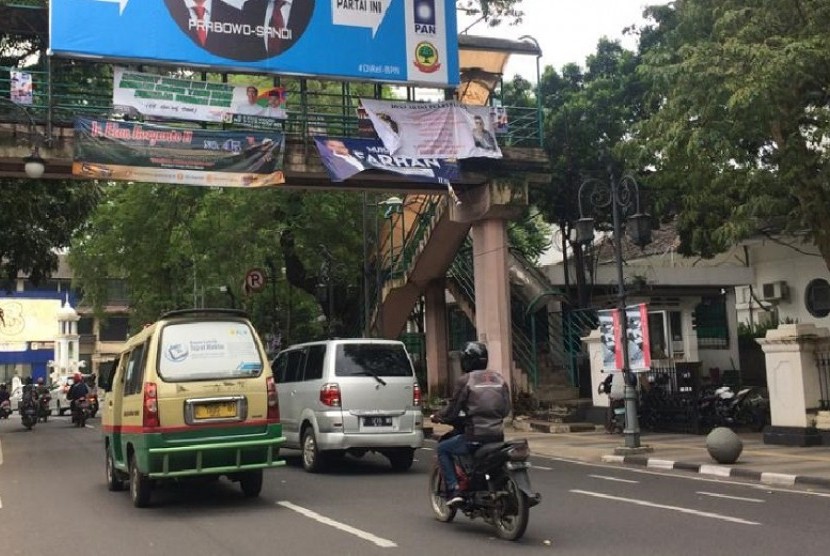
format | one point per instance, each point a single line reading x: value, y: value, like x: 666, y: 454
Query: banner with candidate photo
x: 390, y: 41
x: 161, y: 96
x: 436, y: 130
x: 637, y: 337
x: 130, y: 151
x: 345, y: 157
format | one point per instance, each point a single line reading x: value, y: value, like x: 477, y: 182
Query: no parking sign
x: 255, y: 280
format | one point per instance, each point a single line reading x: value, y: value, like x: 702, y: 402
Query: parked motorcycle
x: 5, y: 409
x: 495, y: 484
x: 80, y: 412
x: 722, y: 407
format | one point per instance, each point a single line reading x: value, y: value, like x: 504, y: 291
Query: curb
x: 767, y: 478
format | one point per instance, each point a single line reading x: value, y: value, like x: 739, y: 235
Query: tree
x: 588, y: 117
x: 739, y: 140
x: 39, y: 218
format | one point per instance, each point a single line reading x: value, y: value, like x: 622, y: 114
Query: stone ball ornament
x: 724, y: 445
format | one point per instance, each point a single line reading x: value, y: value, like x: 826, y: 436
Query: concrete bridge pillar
x: 437, y: 334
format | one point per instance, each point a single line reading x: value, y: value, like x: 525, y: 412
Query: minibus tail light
x: 273, y: 401
x: 151, y: 406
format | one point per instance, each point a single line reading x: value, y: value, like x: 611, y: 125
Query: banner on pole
x: 637, y: 336
x: 129, y: 151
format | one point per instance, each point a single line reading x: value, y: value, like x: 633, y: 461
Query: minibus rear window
x: 208, y: 350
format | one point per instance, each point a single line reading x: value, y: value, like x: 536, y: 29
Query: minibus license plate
x: 376, y: 421
x: 214, y: 410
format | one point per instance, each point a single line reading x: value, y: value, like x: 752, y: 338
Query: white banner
x: 202, y: 101
x: 434, y: 130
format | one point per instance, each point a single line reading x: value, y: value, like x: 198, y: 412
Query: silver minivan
x: 349, y: 396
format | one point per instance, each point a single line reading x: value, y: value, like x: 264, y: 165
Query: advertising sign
x: 129, y: 151
x: 639, y: 349
x: 344, y: 157
x: 187, y: 99
x: 407, y: 41
x: 437, y: 130
x: 28, y: 320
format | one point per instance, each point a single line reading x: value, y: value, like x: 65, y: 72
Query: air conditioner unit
x: 774, y: 291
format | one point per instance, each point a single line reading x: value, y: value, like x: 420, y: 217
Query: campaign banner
x: 637, y: 336
x: 344, y: 157
x: 21, y: 90
x: 436, y: 130
x: 391, y: 41
x: 187, y: 99
x: 130, y: 151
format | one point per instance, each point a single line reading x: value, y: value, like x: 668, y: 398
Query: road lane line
x: 665, y: 507
x: 534, y: 466
x: 381, y: 542
x: 607, y: 478
x: 739, y: 498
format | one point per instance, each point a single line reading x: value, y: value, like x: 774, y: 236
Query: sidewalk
x: 763, y: 463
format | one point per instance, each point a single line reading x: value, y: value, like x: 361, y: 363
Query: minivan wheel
x: 313, y: 459
x: 140, y: 485
x: 114, y: 481
x: 251, y: 483
x: 401, y: 458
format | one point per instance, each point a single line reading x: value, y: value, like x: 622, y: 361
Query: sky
x: 567, y: 30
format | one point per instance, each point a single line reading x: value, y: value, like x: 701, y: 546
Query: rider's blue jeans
x: 457, y: 445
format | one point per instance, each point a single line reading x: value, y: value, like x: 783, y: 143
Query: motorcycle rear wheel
x: 512, y: 512
x: 437, y: 498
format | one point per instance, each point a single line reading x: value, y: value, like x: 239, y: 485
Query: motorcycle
x: 495, y: 485
x: 43, y: 410
x: 722, y: 407
x: 28, y: 411
x: 5, y: 409
x: 92, y: 400
x: 80, y: 412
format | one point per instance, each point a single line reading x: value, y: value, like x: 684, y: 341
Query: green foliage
x: 176, y: 246
x: 39, y: 217
x: 740, y: 134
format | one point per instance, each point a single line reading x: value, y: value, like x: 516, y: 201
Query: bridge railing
x: 73, y: 88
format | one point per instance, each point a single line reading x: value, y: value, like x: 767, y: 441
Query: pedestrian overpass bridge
x: 433, y: 226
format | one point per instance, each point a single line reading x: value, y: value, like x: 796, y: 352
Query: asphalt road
x: 53, y: 499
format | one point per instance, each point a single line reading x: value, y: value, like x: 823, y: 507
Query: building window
x: 711, y: 325
x: 114, y: 329
x: 117, y: 291
x: 817, y: 298
x: 85, y: 326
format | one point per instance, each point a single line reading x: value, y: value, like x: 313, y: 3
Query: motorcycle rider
x: 484, y: 397
x: 77, y: 391
x: 5, y: 396
x: 43, y: 397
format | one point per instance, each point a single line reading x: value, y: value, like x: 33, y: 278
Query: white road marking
x: 427, y: 449
x: 607, y: 478
x: 665, y: 507
x: 383, y: 543
x: 534, y: 466
x: 739, y: 498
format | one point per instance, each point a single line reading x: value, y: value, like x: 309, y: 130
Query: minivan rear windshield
x: 208, y: 350
x: 371, y: 360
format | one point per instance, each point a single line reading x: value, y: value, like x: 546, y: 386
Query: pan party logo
x: 426, y: 57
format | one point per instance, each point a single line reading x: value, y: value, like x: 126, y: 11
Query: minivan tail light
x: 330, y: 394
x: 416, y: 395
x: 273, y: 415
x: 151, y: 406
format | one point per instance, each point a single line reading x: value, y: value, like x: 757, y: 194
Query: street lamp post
x: 619, y: 195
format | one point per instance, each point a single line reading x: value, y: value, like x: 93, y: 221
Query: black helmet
x: 473, y: 357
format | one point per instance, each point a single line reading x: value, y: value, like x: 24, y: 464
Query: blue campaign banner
x: 345, y: 157
x: 407, y: 41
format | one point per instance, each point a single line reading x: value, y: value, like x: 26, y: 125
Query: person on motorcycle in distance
x: 77, y: 391
x: 484, y: 398
x: 4, y: 393
x: 40, y: 387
